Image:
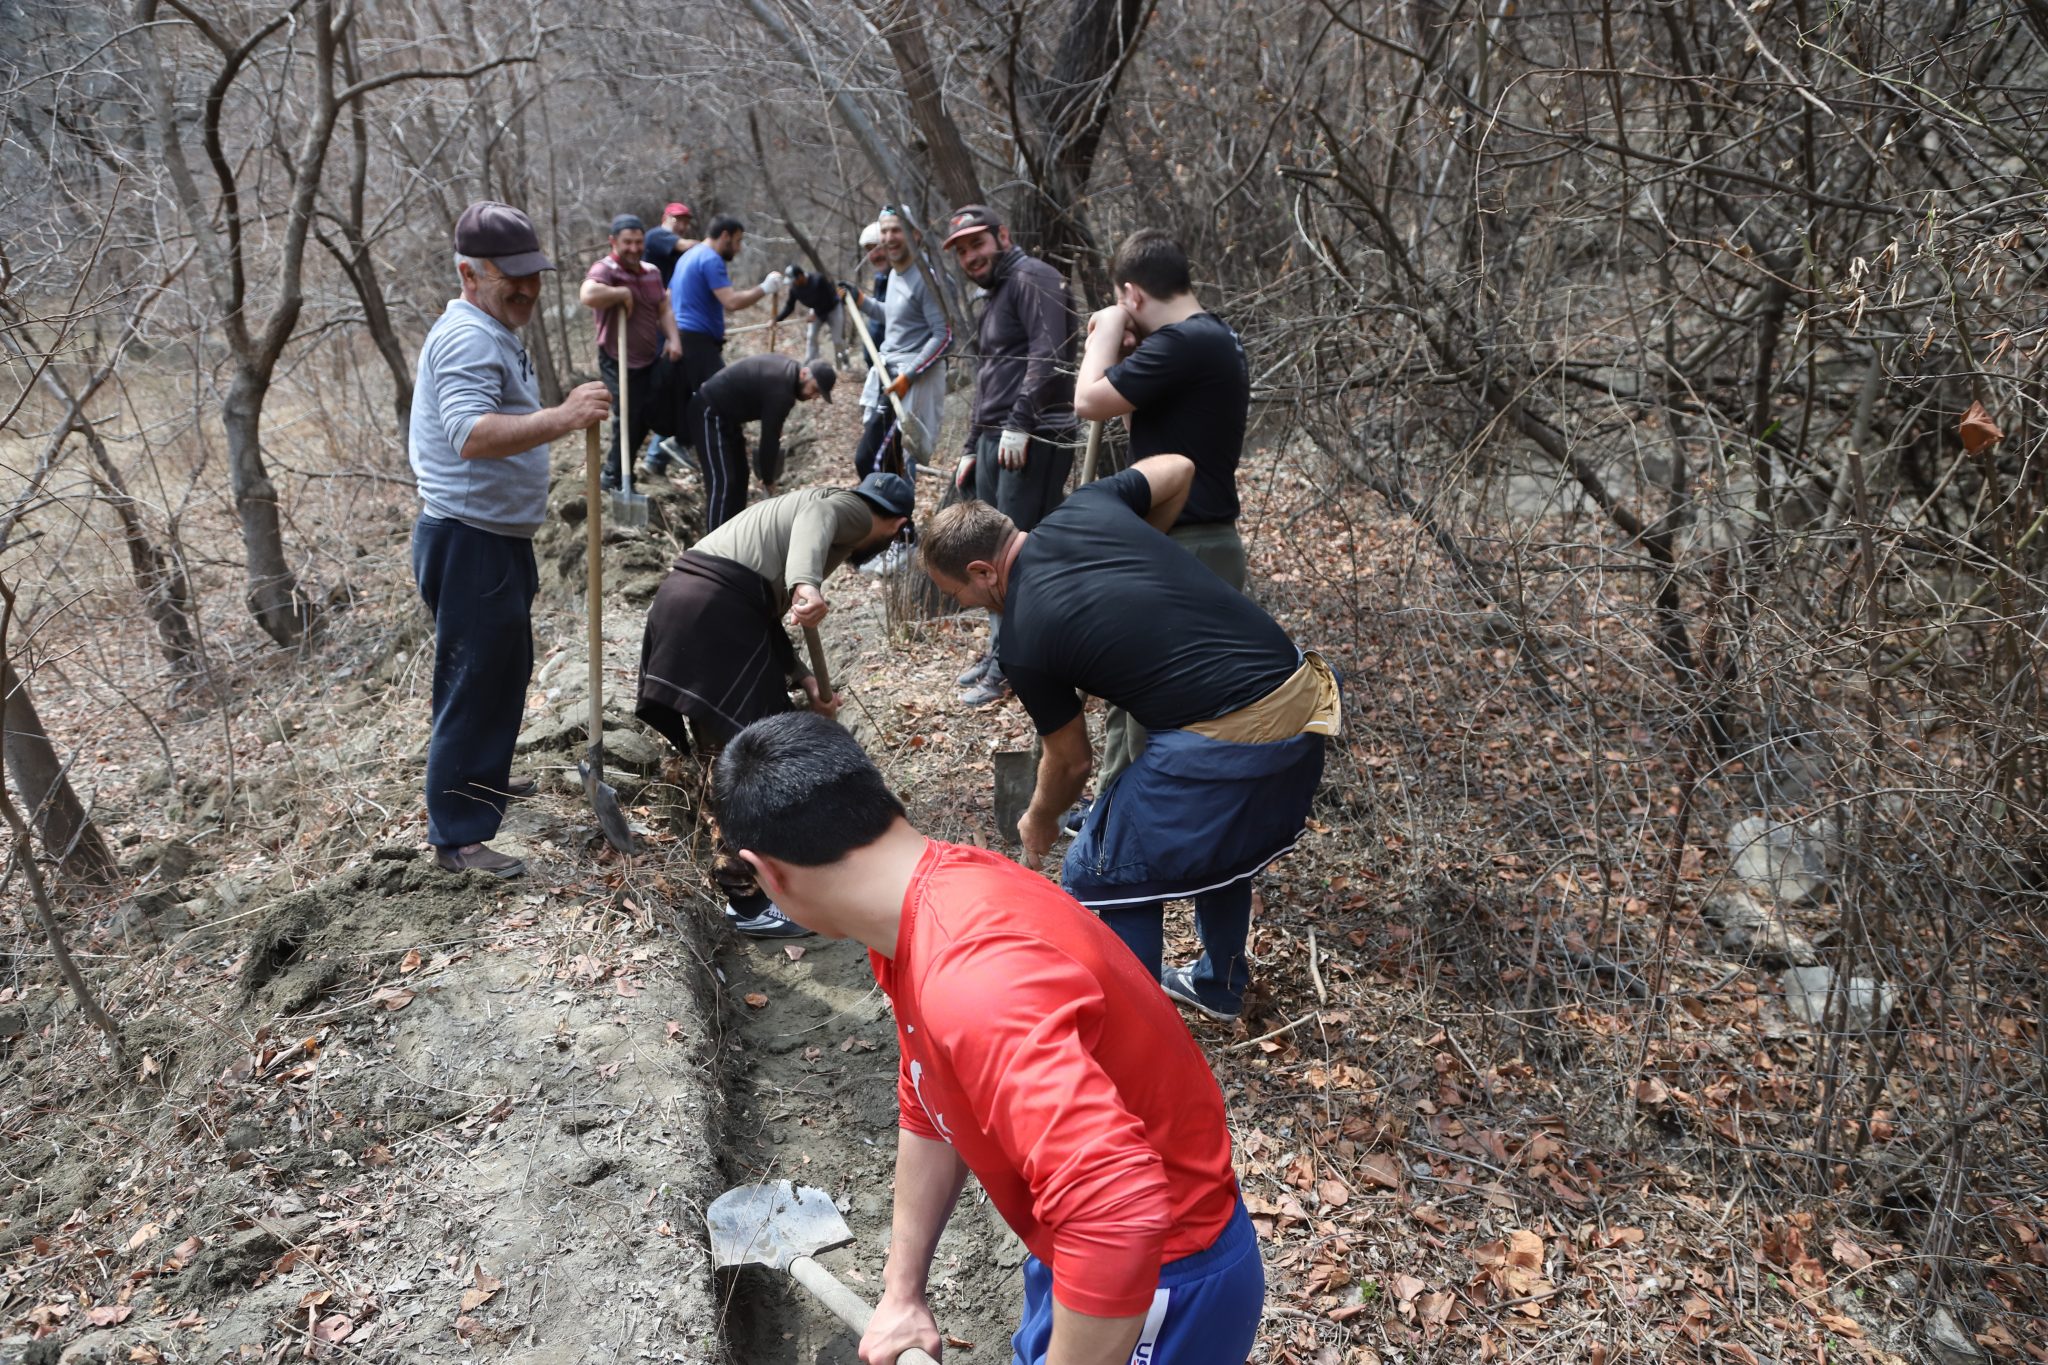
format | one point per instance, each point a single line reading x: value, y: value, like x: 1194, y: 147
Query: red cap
x: 678, y: 210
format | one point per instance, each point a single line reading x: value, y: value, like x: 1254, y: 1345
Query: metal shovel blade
x: 605, y: 802
x: 772, y: 1225
x: 626, y: 509
x: 1016, y: 780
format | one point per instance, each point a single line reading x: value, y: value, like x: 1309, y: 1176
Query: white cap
x: 871, y: 235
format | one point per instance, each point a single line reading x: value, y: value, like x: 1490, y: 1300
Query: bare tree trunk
x: 1067, y: 111
x: 68, y: 834
x: 275, y: 599
x: 84, y: 854
x: 166, y: 591
x: 902, y: 27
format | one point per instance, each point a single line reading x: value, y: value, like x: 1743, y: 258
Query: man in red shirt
x: 625, y: 280
x: 1035, y: 1052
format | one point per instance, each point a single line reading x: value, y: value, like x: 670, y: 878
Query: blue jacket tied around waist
x: 1190, y: 815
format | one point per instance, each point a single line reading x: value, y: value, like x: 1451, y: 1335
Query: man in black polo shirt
x: 1094, y: 599
x: 1176, y: 374
x: 761, y: 388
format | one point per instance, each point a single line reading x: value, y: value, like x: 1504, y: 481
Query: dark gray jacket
x: 1024, y: 344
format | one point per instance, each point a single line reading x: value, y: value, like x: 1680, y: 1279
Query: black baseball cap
x: 824, y: 376
x: 501, y: 234
x: 970, y: 218
x: 625, y: 222
x: 889, y: 494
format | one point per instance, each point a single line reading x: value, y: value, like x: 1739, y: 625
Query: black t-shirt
x: 661, y: 252
x: 1190, y: 386
x: 1100, y: 601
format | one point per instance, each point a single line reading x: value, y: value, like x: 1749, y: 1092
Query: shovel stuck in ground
x: 603, y: 800
x: 622, y: 506
x: 782, y: 1226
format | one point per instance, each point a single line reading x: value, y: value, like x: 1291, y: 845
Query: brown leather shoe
x: 520, y: 788
x: 479, y: 858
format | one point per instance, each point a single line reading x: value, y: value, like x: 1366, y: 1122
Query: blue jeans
x: 480, y: 588
x: 1205, y: 1312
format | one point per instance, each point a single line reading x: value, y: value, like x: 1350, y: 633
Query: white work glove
x: 1010, y: 451
x: 773, y: 283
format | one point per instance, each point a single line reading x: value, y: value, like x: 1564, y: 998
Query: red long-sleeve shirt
x: 1034, y: 1043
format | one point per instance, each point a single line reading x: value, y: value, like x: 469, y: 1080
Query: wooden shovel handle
x: 625, y: 428
x: 1094, y: 449
x: 846, y: 1305
x: 816, y: 647
x: 593, y: 553
x: 888, y: 380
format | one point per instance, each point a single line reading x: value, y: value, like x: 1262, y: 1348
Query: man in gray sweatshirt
x: 915, y: 340
x: 480, y: 458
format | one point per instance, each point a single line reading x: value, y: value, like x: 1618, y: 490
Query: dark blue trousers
x: 1223, y: 920
x: 480, y: 587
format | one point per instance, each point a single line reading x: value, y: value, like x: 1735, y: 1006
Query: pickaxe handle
x: 846, y: 1305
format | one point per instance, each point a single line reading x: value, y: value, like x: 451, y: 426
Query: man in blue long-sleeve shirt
x: 479, y: 448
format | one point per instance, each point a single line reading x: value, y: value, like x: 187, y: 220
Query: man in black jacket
x: 761, y: 388
x: 1020, y: 441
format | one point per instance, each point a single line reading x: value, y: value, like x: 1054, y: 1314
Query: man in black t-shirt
x: 1176, y: 374
x: 1094, y: 599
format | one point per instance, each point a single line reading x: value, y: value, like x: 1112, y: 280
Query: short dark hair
x: 959, y: 535
x: 722, y: 224
x: 1154, y: 262
x: 799, y: 789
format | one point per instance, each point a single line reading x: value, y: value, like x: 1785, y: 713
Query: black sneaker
x: 769, y: 923
x: 1178, y: 983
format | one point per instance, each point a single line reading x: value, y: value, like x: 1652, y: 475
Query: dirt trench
x: 810, y: 1057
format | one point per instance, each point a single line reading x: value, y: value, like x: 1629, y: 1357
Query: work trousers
x: 480, y: 588
x: 1223, y: 919
x: 721, y: 445
x: 640, y: 410
x: 1217, y: 545
x: 703, y: 356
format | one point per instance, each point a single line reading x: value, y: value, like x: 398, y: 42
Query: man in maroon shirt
x: 624, y: 280
x: 1035, y: 1053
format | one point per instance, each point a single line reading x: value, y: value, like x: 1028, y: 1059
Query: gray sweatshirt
x: 915, y: 335
x: 471, y: 366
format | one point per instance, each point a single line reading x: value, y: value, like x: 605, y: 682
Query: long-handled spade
x: 816, y: 647
x: 602, y: 798
x: 782, y: 1226
x: 625, y: 507
x: 916, y: 440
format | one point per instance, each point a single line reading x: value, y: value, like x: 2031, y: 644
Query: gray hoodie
x: 471, y: 366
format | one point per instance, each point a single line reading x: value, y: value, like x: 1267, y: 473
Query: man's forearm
x: 669, y: 331
x: 501, y: 434
x: 1079, y: 1339
x: 1095, y: 398
x: 1060, y: 779
x: 929, y: 1174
